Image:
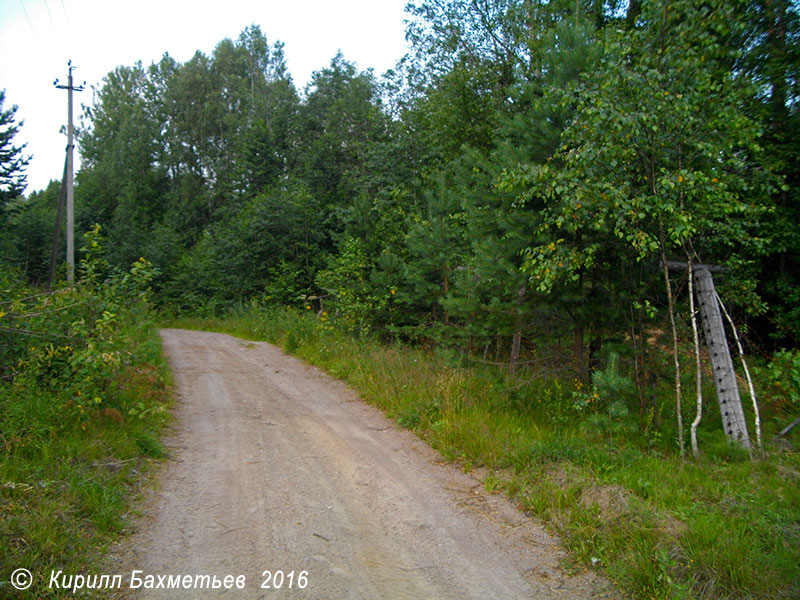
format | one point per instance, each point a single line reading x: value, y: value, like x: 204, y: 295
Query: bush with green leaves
x: 783, y: 372
x: 83, y: 399
x: 68, y: 342
x: 357, y: 303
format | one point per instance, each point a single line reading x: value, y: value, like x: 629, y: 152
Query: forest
x: 510, y: 195
x: 522, y: 174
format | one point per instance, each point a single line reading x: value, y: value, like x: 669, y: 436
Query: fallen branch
x: 8, y: 302
x: 789, y: 427
x: 39, y: 333
x: 44, y: 312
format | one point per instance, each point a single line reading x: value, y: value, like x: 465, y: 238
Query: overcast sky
x: 38, y: 37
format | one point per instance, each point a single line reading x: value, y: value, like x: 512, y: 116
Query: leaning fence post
x: 730, y: 403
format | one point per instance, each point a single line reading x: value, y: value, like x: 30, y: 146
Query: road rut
x: 277, y: 466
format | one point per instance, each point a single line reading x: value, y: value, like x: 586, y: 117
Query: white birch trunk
x: 750, y: 387
x: 698, y: 365
x: 671, y: 303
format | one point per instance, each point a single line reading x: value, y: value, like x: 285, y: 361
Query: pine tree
x: 13, y: 179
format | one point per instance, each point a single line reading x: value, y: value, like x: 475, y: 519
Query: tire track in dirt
x: 275, y: 465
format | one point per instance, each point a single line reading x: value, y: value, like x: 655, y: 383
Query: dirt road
x: 276, y: 466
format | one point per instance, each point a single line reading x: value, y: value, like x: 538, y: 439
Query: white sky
x: 38, y: 37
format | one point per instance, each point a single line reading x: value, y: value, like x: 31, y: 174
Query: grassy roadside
x: 84, y: 395
x: 719, y: 527
x: 67, y: 485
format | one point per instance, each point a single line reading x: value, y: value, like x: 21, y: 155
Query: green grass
x: 719, y: 527
x: 66, y: 481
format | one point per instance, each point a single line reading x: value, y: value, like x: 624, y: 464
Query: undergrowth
x: 83, y: 400
x: 721, y: 526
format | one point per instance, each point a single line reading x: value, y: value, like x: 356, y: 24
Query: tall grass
x: 719, y: 527
x: 83, y: 401
x: 66, y: 486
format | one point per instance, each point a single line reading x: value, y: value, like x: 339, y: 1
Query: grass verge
x: 68, y: 472
x: 719, y: 527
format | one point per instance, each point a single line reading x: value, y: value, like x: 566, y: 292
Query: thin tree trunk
x: 671, y: 305
x: 578, y: 332
x: 515, y: 344
x: 446, y: 291
x: 698, y: 364
x: 634, y: 8
x: 577, y: 348
x: 517, y: 339
x: 776, y: 11
x: 639, y: 363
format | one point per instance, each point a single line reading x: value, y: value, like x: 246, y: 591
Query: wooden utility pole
x: 68, y: 179
x: 730, y: 403
x: 62, y: 192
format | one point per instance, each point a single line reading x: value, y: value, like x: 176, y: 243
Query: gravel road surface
x: 277, y: 467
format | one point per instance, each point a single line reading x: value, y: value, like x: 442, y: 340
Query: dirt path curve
x: 277, y: 466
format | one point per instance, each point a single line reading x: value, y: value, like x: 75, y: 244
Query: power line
x: 27, y: 17
x: 47, y: 8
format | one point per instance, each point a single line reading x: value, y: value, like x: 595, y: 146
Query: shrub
x: 783, y: 373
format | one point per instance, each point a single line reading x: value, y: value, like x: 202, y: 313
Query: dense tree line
x: 521, y: 176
